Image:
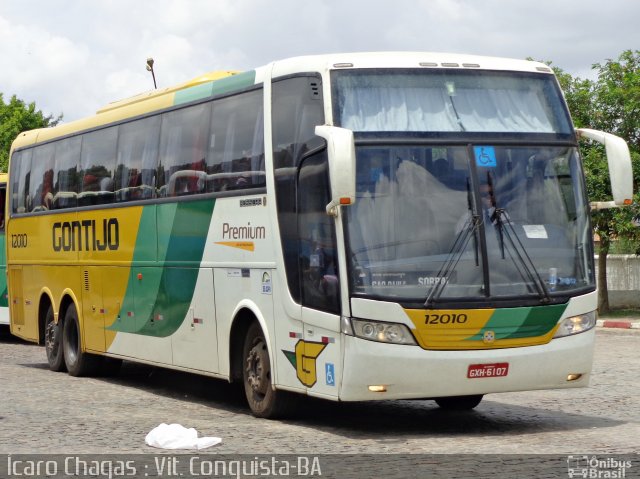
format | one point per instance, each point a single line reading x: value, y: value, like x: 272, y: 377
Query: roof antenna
x: 150, y: 69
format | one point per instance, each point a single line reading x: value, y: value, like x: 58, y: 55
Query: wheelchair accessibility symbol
x: 330, y: 374
x: 485, y: 156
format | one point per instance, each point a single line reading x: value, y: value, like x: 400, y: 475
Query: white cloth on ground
x: 176, y: 436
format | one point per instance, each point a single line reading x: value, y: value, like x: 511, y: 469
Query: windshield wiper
x: 500, y: 218
x: 470, y: 228
x: 459, y: 246
x: 505, y: 228
x: 455, y: 110
x: 451, y: 91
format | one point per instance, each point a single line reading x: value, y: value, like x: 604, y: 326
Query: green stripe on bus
x: 216, y: 87
x: 186, y: 242
x: 131, y: 319
x: 160, y: 301
x: 503, y: 322
x: 539, y: 321
x: 515, y: 323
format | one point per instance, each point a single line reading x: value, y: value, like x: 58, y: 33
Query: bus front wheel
x: 264, y: 401
x: 78, y: 362
x: 53, y: 342
x: 459, y: 403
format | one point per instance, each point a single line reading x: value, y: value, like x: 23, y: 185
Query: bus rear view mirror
x: 342, y: 165
x: 619, y: 161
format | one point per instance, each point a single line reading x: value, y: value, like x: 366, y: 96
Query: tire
x: 264, y: 401
x: 78, y: 362
x: 459, y: 403
x: 53, y: 342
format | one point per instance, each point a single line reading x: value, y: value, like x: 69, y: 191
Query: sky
x: 72, y: 57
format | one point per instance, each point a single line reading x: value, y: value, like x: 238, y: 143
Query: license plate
x: 494, y: 370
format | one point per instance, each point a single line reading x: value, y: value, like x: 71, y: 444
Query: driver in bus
x: 490, y: 214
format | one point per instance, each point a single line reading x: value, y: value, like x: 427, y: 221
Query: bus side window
x: 40, y: 196
x: 65, y: 190
x: 20, y: 174
x: 183, y: 142
x: 236, y: 143
x: 317, y: 237
x: 297, y: 109
x: 97, y: 166
x: 137, y: 160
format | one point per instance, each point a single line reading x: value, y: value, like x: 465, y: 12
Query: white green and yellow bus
x: 4, y: 294
x: 318, y: 226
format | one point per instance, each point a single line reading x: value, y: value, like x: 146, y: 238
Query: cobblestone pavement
x: 46, y: 412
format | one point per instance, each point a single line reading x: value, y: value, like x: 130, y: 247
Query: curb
x: 619, y: 323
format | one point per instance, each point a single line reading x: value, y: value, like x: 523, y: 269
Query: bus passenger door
x: 195, y: 342
x: 321, y: 365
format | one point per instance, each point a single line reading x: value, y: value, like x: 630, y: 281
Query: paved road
x: 46, y: 412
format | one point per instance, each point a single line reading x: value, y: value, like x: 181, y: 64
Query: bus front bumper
x: 410, y: 372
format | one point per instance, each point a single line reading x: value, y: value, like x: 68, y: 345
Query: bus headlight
x: 576, y: 324
x: 382, y: 332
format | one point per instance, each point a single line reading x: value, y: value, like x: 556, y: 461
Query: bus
x: 4, y: 295
x: 317, y: 226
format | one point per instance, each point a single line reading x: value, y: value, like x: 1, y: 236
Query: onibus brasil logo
x: 592, y: 467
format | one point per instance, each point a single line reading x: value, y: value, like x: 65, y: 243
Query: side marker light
x: 381, y: 388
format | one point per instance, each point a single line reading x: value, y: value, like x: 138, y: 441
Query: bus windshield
x: 428, y: 100
x: 430, y: 222
x: 481, y: 198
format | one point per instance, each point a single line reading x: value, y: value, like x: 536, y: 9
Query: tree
x: 617, y: 110
x: 618, y: 97
x: 579, y: 94
x: 611, y: 224
x: 611, y: 103
x: 15, y: 117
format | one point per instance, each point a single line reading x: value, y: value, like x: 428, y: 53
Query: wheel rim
x: 258, y: 369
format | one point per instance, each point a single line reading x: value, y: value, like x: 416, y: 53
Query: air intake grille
x: 315, y: 88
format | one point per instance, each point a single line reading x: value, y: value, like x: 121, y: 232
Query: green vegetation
x: 610, y: 103
x: 15, y: 117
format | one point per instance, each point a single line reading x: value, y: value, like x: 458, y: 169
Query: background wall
x: 623, y: 281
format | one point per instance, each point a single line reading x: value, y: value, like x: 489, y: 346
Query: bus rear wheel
x: 264, y: 401
x: 78, y: 362
x: 459, y: 403
x: 53, y: 342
